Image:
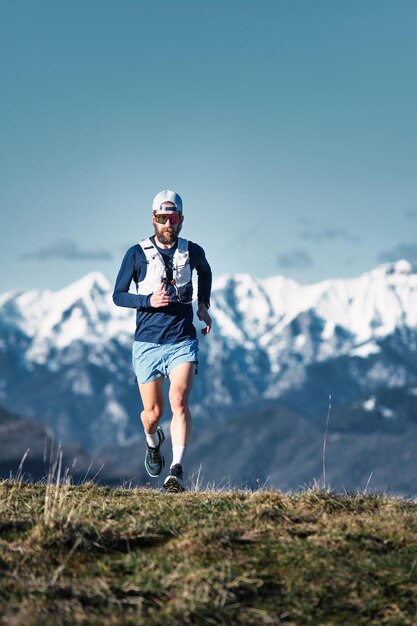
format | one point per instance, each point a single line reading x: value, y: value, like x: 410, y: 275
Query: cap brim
x: 171, y: 209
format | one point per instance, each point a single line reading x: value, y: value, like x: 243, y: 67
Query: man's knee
x: 179, y: 398
x: 153, y: 414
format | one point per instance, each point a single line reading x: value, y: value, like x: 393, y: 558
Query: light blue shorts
x: 152, y: 360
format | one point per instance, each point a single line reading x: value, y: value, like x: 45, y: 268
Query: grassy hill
x: 94, y: 555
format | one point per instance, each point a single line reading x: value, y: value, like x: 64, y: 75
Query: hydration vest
x: 181, y: 285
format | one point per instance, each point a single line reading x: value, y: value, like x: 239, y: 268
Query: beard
x: 167, y: 235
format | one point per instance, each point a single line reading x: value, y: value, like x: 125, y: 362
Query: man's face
x: 167, y: 233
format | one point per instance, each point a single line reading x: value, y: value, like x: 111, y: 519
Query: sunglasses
x: 174, y: 218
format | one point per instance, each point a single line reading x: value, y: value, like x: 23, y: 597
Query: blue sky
x: 288, y: 127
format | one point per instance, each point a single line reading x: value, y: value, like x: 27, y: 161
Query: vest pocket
x: 185, y: 293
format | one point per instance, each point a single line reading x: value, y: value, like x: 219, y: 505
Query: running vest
x: 156, y: 271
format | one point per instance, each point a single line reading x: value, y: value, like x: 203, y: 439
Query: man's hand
x: 203, y: 316
x: 160, y: 297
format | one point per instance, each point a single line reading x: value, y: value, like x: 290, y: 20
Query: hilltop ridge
x: 77, y: 555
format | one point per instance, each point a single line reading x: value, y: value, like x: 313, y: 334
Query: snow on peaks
x: 94, y: 281
x: 402, y: 266
x: 353, y: 314
x: 54, y: 320
x: 277, y: 315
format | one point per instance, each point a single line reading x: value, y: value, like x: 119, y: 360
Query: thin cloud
x: 67, y: 250
x: 401, y: 251
x: 243, y: 237
x: 305, y: 221
x: 328, y: 234
x: 294, y: 259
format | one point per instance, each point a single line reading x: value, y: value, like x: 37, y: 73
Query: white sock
x: 177, y: 454
x: 152, y: 440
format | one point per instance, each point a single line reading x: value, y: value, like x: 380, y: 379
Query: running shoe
x: 154, y: 461
x: 174, y: 482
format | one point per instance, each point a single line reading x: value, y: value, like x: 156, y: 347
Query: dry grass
x: 96, y: 555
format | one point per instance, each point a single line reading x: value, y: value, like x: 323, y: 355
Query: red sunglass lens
x: 174, y: 218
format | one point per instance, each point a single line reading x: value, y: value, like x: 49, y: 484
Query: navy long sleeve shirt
x: 168, y: 324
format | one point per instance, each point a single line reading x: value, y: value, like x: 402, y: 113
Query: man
x: 165, y: 339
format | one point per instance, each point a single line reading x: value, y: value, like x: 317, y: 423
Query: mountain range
x: 277, y: 348
x: 28, y: 450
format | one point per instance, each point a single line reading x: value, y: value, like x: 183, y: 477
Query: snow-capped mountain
x: 339, y: 337
x: 65, y: 355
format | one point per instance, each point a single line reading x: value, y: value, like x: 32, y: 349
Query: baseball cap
x: 167, y: 196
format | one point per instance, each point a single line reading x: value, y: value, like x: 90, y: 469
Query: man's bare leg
x: 181, y: 379
x: 153, y: 404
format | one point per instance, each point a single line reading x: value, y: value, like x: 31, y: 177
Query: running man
x: 165, y: 339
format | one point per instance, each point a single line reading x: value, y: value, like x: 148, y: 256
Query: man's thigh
x: 181, y: 378
x: 152, y: 394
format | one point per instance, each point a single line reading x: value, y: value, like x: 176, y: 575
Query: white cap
x: 166, y: 196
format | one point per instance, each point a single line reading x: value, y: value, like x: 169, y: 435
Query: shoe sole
x: 173, y: 485
x: 161, y: 441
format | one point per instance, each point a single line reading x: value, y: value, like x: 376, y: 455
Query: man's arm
x: 199, y: 261
x: 204, y: 316
x: 203, y: 286
x: 133, y: 268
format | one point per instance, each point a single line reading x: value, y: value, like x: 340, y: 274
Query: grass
x: 95, y: 555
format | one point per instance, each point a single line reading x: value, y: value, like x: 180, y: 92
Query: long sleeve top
x: 168, y: 324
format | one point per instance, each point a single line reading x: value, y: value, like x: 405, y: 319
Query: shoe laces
x: 154, y: 454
